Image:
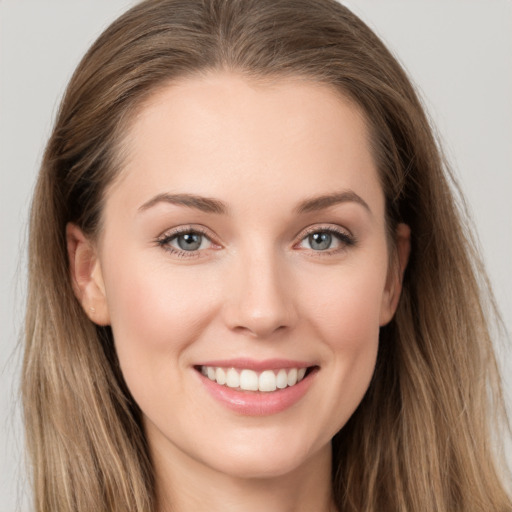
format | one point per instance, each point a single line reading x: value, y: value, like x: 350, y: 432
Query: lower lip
x: 258, y: 403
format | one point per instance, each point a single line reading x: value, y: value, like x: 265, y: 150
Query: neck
x: 187, y: 486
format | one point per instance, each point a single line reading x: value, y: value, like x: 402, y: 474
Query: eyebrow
x: 210, y: 205
x: 325, y: 201
x: 204, y: 204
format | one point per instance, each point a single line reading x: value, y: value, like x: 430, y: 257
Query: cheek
x: 153, y: 297
x: 344, y: 312
x: 346, y: 306
x: 155, y: 315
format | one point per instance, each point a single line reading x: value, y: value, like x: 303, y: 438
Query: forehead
x: 226, y: 135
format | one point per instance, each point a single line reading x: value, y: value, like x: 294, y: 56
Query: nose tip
x: 260, y: 300
x: 260, y: 324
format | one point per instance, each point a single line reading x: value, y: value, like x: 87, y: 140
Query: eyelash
x: 347, y: 240
x: 165, y: 240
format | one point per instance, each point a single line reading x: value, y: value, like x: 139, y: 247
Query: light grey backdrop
x: 458, y: 53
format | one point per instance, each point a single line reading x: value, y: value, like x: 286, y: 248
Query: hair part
x: 421, y: 438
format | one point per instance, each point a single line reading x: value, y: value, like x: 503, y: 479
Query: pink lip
x: 257, y: 366
x: 257, y: 403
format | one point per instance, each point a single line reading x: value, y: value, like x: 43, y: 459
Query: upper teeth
x: 249, y: 380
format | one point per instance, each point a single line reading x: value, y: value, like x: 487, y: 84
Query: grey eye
x: 320, y: 241
x: 189, y: 241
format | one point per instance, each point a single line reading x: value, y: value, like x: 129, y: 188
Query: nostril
x: 258, y: 302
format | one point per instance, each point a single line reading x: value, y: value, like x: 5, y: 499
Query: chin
x: 267, y: 460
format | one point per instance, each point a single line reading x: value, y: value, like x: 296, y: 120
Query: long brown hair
x: 422, y: 438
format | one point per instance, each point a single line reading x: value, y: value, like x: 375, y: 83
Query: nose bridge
x: 260, y: 299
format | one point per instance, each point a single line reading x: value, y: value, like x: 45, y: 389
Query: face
x: 244, y: 269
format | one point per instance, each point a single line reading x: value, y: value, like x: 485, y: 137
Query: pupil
x: 320, y: 241
x: 190, y: 241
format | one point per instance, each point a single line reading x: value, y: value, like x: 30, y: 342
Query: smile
x: 257, y: 388
x: 250, y: 380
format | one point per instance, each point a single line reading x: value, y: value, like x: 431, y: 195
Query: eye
x: 328, y: 240
x: 189, y: 241
x: 185, y: 242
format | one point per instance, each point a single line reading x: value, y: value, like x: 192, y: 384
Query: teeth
x: 232, y: 378
x: 292, y: 377
x: 249, y: 380
x: 220, y: 376
x: 282, y: 379
x: 267, y: 381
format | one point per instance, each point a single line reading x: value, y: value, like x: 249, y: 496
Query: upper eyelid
x: 345, y: 237
x: 323, y: 227
x: 164, y: 240
x: 179, y: 230
x: 203, y: 230
x: 172, y: 233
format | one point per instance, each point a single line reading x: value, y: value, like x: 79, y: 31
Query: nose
x: 259, y: 299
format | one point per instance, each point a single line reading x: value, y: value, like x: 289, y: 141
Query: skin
x: 255, y: 288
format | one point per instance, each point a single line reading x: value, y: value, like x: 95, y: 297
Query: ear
x: 396, y: 271
x: 86, y: 276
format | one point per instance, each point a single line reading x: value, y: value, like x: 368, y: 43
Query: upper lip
x: 257, y: 365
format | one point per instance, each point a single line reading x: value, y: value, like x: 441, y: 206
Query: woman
x: 250, y: 285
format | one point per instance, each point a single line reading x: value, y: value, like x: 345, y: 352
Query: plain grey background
x: 458, y: 53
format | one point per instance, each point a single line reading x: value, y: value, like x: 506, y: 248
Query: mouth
x: 249, y: 380
x: 257, y: 387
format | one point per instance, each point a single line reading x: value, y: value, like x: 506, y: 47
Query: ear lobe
x: 86, y: 276
x: 396, y: 271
